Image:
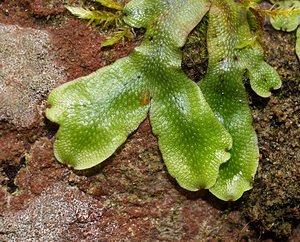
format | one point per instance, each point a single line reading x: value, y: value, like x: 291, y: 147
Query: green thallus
x: 204, y: 131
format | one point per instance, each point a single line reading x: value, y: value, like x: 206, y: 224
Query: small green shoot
x: 110, y: 4
x: 103, y: 18
x: 117, y: 36
x: 112, y: 18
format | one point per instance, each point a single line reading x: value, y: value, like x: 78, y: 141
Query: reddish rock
x: 3, y: 200
x: 11, y: 147
x: 44, y: 8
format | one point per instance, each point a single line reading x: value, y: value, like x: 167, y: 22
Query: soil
x: 129, y: 197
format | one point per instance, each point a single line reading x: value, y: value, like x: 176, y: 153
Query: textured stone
x: 27, y: 73
x: 48, y: 217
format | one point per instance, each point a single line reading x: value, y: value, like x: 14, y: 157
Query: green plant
x: 205, y: 134
x: 286, y: 17
x: 112, y: 17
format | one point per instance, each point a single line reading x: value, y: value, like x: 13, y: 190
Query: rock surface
x: 130, y: 197
x: 27, y: 73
